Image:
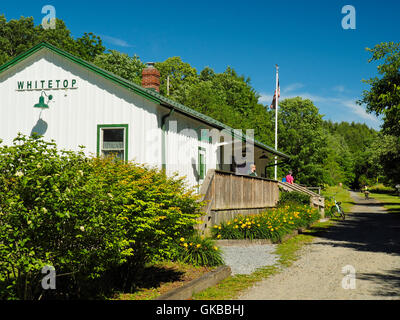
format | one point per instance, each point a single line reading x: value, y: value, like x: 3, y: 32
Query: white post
x: 276, y: 120
x: 168, y: 86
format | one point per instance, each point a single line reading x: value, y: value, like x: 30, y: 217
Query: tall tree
x: 129, y: 68
x: 383, y: 97
x: 17, y: 36
x: 302, y: 136
x: 181, y: 76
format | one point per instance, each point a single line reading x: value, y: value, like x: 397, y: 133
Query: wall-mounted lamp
x: 41, y: 104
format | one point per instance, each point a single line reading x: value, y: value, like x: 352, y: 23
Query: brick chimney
x: 151, y: 77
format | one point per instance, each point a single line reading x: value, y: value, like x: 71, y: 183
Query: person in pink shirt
x: 289, y: 178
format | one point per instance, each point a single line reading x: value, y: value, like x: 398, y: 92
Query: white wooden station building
x: 63, y: 98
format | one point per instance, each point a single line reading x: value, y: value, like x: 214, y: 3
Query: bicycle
x: 337, y: 210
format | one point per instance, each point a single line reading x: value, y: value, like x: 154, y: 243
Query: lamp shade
x: 41, y: 104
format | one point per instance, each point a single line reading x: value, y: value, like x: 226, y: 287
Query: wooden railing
x: 316, y: 200
x: 227, y: 195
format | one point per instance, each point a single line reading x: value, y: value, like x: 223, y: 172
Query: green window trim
x: 115, y: 126
x: 202, y: 163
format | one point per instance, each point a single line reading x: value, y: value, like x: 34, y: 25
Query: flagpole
x: 276, y: 119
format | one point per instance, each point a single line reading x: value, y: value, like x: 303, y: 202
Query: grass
x: 390, y: 201
x: 233, y: 286
x: 341, y: 195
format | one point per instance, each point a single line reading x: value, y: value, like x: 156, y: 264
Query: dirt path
x: 369, y: 241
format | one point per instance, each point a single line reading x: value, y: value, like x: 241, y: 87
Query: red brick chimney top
x: 151, y: 77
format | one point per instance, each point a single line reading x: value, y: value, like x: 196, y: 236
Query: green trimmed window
x: 202, y: 163
x: 112, y: 139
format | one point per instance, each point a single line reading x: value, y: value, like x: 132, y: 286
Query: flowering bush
x: 272, y: 224
x: 83, y: 217
x: 329, y: 203
x: 199, y: 251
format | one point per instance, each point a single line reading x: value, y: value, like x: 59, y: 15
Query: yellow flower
x: 185, y: 245
x: 198, y: 246
x: 219, y: 236
x: 272, y: 229
x: 182, y: 239
x: 215, y: 248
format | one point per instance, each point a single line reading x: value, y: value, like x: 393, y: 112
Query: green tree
x: 339, y: 163
x: 181, y: 76
x: 237, y: 90
x: 384, y: 158
x: 129, y: 68
x: 383, y: 97
x: 302, y: 136
x: 17, y: 36
x: 356, y: 140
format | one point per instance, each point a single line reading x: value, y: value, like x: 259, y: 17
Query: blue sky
x: 318, y: 59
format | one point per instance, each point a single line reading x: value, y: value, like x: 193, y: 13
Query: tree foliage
x: 129, y: 68
x: 383, y: 98
x: 84, y: 217
x: 322, y: 151
x: 17, y: 36
x: 301, y: 135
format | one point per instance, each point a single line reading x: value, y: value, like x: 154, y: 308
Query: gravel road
x: 368, y: 243
x: 246, y: 259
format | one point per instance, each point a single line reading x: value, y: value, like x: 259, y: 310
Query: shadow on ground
x: 369, y: 229
x: 365, y: 231
x: 389, y: 282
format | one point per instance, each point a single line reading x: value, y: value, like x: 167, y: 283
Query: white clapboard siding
x: 74, y: 114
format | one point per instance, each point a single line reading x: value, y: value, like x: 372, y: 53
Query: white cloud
x: 116, y: 41
x: 345, y: 103
x: 265, y: 98
x: 340, y: 89
x: 292, y: 87
x: 359, y: 110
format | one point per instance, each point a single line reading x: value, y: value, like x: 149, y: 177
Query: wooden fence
x: 228, y: 195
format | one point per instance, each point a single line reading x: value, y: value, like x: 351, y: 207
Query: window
x: 202, y: 164
x: 113, y: 140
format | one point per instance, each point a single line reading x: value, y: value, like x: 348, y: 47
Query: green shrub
x: 84, y: 217
x: 380, y: 188
x: 199, y: 251
x: 293, y: 198
x: 272, y: 224
x: 329, y: 203
x: 153, y: 209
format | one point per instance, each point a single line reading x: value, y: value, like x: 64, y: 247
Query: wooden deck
x: 227, y: 195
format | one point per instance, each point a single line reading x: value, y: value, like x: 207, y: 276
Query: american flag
x: 273, y: 104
